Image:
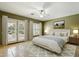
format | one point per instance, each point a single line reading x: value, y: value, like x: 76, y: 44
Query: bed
x: 54, y: 41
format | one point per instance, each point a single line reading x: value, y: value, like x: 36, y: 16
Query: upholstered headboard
x: 60, y: 32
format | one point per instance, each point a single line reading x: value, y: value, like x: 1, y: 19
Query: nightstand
x: 74, y: 40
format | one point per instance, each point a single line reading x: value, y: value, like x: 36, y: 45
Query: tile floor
x: 13, y: 50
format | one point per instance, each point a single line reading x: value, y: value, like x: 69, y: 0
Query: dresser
x: 74, y: 40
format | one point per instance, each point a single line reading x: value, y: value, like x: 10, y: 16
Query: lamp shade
x: 75, y: 31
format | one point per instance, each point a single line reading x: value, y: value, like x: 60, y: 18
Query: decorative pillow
x: 64, y: 34
x: 61, y: 34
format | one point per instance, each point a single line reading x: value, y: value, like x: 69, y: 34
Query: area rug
x: 36, y: 51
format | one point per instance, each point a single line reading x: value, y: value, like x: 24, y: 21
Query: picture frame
x: 59, y: 24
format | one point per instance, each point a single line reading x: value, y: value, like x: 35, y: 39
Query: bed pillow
x: 63, y: 34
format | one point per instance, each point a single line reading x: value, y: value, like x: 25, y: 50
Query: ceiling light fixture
x: 42, y: 13
x: 41, y: 16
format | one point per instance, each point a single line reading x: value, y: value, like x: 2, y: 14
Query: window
x: 36, y: 29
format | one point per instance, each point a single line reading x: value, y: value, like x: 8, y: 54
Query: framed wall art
x: 59, y: 24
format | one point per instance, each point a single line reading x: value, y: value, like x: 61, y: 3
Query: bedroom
x: 39, y: 29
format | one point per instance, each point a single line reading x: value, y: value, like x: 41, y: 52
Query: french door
x: 15, y: 30
x: 21, y: 30
x: 11, y: 31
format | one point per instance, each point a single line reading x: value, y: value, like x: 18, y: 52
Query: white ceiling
x: 52, y: 9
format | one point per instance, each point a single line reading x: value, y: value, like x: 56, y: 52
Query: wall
x: 0, y: 29
x: 71, y: 22
x: 10, y: 15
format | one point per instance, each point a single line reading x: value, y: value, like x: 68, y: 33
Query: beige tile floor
x: 18, y: 50
x: 14, y: 50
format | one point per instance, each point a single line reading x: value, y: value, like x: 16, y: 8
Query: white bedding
x: 50, y: 42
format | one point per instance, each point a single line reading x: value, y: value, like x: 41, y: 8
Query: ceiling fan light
x: 41, y: 15
x: 41, y: 11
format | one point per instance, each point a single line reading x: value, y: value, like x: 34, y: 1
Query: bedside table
x: 74, y: 40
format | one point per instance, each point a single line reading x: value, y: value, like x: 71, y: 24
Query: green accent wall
x: 43, y: 27
x: 71, y: 22
x: 0, y: 29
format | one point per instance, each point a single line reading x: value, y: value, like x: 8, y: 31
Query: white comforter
x: 52, y: 43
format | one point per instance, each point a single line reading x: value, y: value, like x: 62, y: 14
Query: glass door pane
x: 36, y: 29
x: 21, y: 30
x: 12, y: 26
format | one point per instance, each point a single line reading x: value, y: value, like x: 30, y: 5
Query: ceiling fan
x: 43, y: 11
